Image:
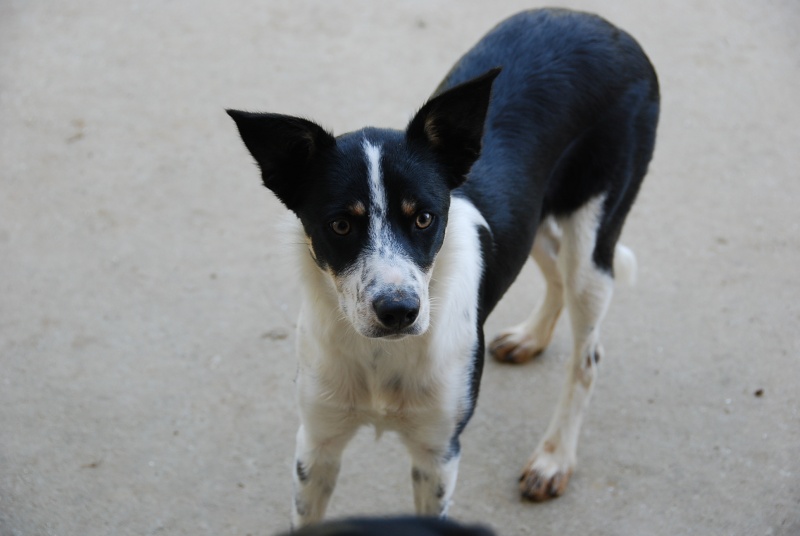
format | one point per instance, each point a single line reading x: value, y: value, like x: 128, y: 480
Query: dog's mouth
x: 395, y: 337
x: 379, y: 332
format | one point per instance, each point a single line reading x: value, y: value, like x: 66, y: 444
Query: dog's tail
x: 624, y: 265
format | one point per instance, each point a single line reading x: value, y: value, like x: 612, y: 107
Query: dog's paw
x: 516, y: 346
x: 544, y: 478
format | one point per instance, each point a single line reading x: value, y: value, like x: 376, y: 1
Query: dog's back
x: 576, y: 98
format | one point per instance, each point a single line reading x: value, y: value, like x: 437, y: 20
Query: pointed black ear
x: 285, y: 148
x: 451, y: 124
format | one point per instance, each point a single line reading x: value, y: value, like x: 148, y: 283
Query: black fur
x: 289, y: 151
x: 452, y: 126
x: 302, y: 473
x: 398, y: 526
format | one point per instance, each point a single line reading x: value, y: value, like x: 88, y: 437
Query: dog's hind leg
x: 317, y: 461
x: 588, y: 289
x: 525, y: 341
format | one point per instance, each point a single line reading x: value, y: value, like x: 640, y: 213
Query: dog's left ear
x: 451, y: 124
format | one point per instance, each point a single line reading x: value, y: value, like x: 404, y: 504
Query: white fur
x: 417, y: 386
x: 624, y: 265
x: 377, y: 193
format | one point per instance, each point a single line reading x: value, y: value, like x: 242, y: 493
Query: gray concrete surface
x: 146, y: 310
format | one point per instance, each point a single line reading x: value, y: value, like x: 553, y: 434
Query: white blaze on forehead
x: 377, y: 193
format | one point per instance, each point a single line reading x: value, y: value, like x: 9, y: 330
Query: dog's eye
x: 340, y: 227
x: 424, y: 220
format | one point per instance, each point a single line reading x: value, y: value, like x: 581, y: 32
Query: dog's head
x: 374, y: 203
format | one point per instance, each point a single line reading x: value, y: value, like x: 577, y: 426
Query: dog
x: 535, y: 144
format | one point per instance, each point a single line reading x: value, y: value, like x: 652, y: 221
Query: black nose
x: 397, y: 311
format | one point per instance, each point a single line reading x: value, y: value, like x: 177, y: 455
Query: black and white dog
x: 535, y: 144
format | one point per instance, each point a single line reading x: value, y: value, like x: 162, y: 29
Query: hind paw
x: 515, y: 347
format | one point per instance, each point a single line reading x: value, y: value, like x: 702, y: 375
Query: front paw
x: 544, y: 477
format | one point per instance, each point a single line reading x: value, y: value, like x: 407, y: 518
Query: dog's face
x: 374, y: 223
x: 374, y: 203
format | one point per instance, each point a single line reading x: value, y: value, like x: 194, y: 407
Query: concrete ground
x: 146, y: 310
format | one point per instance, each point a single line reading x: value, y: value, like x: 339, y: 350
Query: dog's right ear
x: 451, y: 124
x: 285, y: 148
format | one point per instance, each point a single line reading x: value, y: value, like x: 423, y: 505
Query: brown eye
x: 424, y: 220
x: 340, y: 227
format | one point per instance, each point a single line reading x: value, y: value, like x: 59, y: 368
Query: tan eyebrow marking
x: 310, y: 245
x: 408, y: 207
x: 357, y: 209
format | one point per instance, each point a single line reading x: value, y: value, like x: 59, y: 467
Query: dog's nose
x: 396, y: 312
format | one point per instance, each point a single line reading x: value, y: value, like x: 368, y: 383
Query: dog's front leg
x: 434, y: 468
x: 434, y: 482
x: 317, y: 461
